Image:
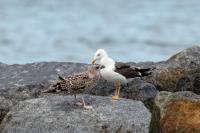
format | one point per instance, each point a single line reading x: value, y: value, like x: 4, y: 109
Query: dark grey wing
x: 120, y: 65
x: 128, y: 72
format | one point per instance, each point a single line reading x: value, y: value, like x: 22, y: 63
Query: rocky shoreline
x: 147, y: 104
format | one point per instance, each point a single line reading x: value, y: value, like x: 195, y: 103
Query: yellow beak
x: 93, y: 61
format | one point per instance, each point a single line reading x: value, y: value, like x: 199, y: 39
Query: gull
x: 116, y: 72
x: 77, y: 83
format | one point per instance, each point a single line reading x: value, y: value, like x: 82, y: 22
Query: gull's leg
x: 84, y: 105
x: 115, y: 85
x: 117, y: 89
x: 77, y: 102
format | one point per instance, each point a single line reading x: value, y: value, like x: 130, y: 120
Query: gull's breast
x: 112, y: 76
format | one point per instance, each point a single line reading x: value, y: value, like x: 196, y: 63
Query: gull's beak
x: 93, y: 61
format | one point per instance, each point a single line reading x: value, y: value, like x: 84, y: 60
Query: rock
x: 5, y: 106
x: 20, y: 93
x: 179, y: 73
x: 190, y: 81
x: 187, y: 57
x: 35, y: 73
x: 20, y: 82
x: 136, y: 89
x: 176, y: 113
x: 57, y: 114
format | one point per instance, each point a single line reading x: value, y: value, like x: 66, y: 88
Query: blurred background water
x: 72, y: 30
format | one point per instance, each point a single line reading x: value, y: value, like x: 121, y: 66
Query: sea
x: 72, y: 30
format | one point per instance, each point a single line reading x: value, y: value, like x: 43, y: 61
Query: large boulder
x: 58, y: 114
x: 187, y: 57
x: 21, y: 82
x: 176, y: 113
x: 179, y: 73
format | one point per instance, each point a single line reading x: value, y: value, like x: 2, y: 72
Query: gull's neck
x: 108, y: 62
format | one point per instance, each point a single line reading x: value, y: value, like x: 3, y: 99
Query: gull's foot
x: 87, y: 107
x: 115, y: 97
x: 79, y: 103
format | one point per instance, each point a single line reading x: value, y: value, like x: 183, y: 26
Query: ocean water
x: 72, y: 30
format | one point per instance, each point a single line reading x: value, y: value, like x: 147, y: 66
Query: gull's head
x: 100, y: 54
x: 93, y: 71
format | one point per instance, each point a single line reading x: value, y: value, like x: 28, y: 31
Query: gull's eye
x: 98, y: 54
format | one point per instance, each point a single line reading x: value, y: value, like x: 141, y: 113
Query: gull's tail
x: 144, y: 71
x: 56, y: 87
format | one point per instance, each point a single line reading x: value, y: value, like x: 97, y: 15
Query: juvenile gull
x: 77, y: 83
x: 115, y: 71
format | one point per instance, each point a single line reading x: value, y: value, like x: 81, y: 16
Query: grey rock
x: 20, y: 82
x: 189, y: 56
x: 23, y: 92
x: 179, y: 73
x: 35, y: 73
x: 136, y: 89
x: 5, y: 106
x: 57, y: 114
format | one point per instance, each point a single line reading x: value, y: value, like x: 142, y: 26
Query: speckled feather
x: 77, y: 83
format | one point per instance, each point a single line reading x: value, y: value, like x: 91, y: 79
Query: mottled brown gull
x: 77, y: 83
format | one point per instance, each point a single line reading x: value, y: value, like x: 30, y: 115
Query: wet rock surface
x: 176, y: 113
x: 58, y: 114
